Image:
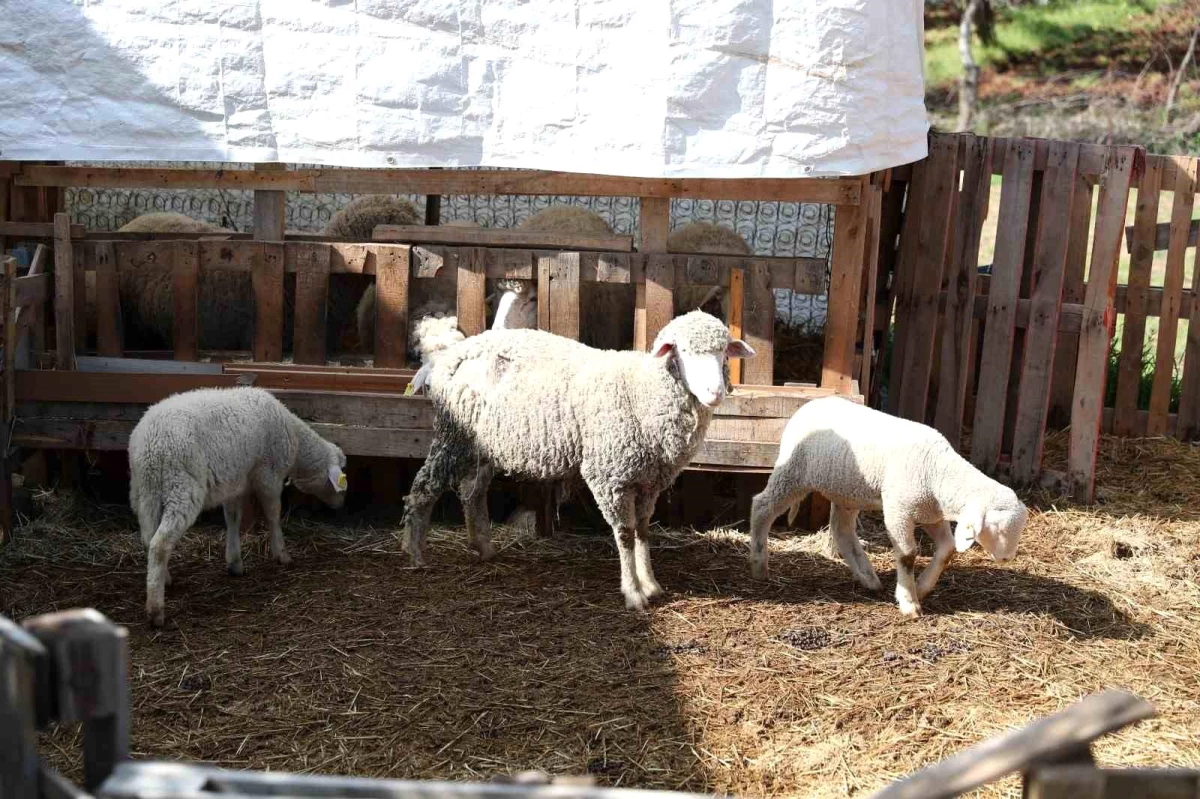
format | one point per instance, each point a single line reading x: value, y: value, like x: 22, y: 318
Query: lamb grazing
x: 544, y: 408
x: 209, y: 447
x: 705, y: 238
x: 606, y: 312
x: 863, y: 459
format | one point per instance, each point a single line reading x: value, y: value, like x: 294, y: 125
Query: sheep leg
x: 843, y: 526
x: 233, y: 537
x: 778, y: 495
x: 473, y: 491
x: 620, y: 512
x: 904, y: 546
x: 432, y: 479
x: 944, y: 539
x: 170, y: 529
x: 268, y: 499
x: 641, y: 548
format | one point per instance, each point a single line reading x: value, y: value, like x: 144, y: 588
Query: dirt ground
x: 349, y: 662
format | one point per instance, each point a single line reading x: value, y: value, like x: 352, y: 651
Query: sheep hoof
x: 758, y: 571
x: 910, y: 610
x: 872, y: 583
x: 283, y: 559
x: 155, y: 615
x: 235, y: 569
x: 486, y: 551
x: 636, y: 602
x: 654, y: 591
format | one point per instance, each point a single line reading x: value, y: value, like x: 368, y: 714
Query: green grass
x: 1028, y: 30
x: 1146, y: 383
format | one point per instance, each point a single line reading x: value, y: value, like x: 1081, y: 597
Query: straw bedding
x: 348, y: 662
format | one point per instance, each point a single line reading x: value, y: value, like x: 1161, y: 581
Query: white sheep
x: 541, y: 407
x: 208, y: 447
x: 863, y: 459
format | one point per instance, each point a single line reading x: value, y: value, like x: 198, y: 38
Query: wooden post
x: 64, y: 292
x: 758, y: 321
x: 1099, y: 317
x: 737, y: 305
x: 1067, y: 350
x: 655, y: 223
x: 873, y: 203
x: 392, y: 272
x: 270, y: 208
x: 558, y: 293
x: 312, y: 289
x: 185, y: 335
x: 109, y: 330
x: 841, y: 318
x: 472, y: 293
x: 266, y: 280
x: 89, y: 668
x: 19, y: 656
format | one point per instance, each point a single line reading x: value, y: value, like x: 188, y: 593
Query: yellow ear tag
x: 408, y: 390
x: 341, y: 483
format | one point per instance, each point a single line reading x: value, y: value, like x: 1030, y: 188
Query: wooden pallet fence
x: 982, y: 356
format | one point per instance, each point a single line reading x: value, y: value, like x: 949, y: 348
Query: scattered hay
x: 350, y: 662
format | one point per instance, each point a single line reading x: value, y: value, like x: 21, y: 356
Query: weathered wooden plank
x: 64, y: 292
x: 1129, y: 368
x: 1189, y: 398
x: 659, y: 296
x: 10, y: 368
x: 35, y: 230
x: 392, y: 283
x: 79, y: 280
x: 836, y: 191
x: 501, y: 237
x: 1162, y: 235
x: 266, y: 280
x: 654, y: 224
x: 185, y: 335
x: 928, y: 264
x: 746, y: 428
x: 1097, y: 327
x: 753, y: 454
x: 1044, y: 740
x: 86, y: 363
x: 312, y: 287
x: 1164, y: 364
x: 1073, y: 287
x: 563, y: 294
x: 902, y: 285
x: 758, y: 323
x: 1049, y: 270
x: 845, y: 278
x: 358, y: 409
x: 19, y: 657
x: 270, y: 207
x: 472, y: 294
x: 971, y: 209
x: 62, y: 386
x: 1000, y: 328
x: 873, y: 207
x: 736, y: 320
x: 109, y: 329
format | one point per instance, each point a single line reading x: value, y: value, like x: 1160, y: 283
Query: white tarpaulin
x: 645, y: 88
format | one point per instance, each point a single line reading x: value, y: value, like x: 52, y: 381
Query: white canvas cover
x: 645, y: 88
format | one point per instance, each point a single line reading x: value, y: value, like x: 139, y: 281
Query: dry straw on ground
x: 349, y: 662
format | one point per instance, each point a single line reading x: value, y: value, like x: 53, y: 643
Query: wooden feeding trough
x: 80, y: 400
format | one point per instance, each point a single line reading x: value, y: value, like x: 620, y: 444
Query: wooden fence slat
x: 873, y: 206
x: 737, y: 305
x: 1049, y: 267
x: 392, y: 280
x: 79, y: 280
x: 660, y: 294
x: 758, y: 324
x: 472, y: 294
x: 19, y: 656
x: 185, y: 268
x: 1067, y: 350
x: 1096, y: 328
x: 928, y: 265
x: 64, y: 292
x: 914, y: 213
x: 266, y: 280
x: 270, y: 207
x: 654, y: 222
x: 970, y: 212
x: 891, y: 220
x: 563, y: 296
x: 845, y: 278
x: 999, y: 331
x: 312, y: 289
x: 542, y: 269
x: 109, y: 329
x: 10, y: 373
x: 1129, y: 369
x: 1164, y: 365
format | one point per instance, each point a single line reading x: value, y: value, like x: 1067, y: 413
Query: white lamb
x: 863, y: 459
x: 209, y: 447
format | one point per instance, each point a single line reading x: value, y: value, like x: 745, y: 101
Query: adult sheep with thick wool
x: 543, y: 408
x: 863, y: 459
x: 216, y: 446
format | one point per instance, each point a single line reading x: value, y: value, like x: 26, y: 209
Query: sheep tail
x: 793, y: 512
x: 149, y: 513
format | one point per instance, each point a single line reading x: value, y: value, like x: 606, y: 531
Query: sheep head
x: 700, y: 345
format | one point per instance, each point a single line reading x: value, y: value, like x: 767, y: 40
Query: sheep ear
x: 337, y: 477
x: 966, y: 532
x: 739, y: 349
x: 663, y: 348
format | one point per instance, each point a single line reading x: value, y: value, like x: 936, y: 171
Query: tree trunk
x: 968, y: 84
x: 1183, y: 68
